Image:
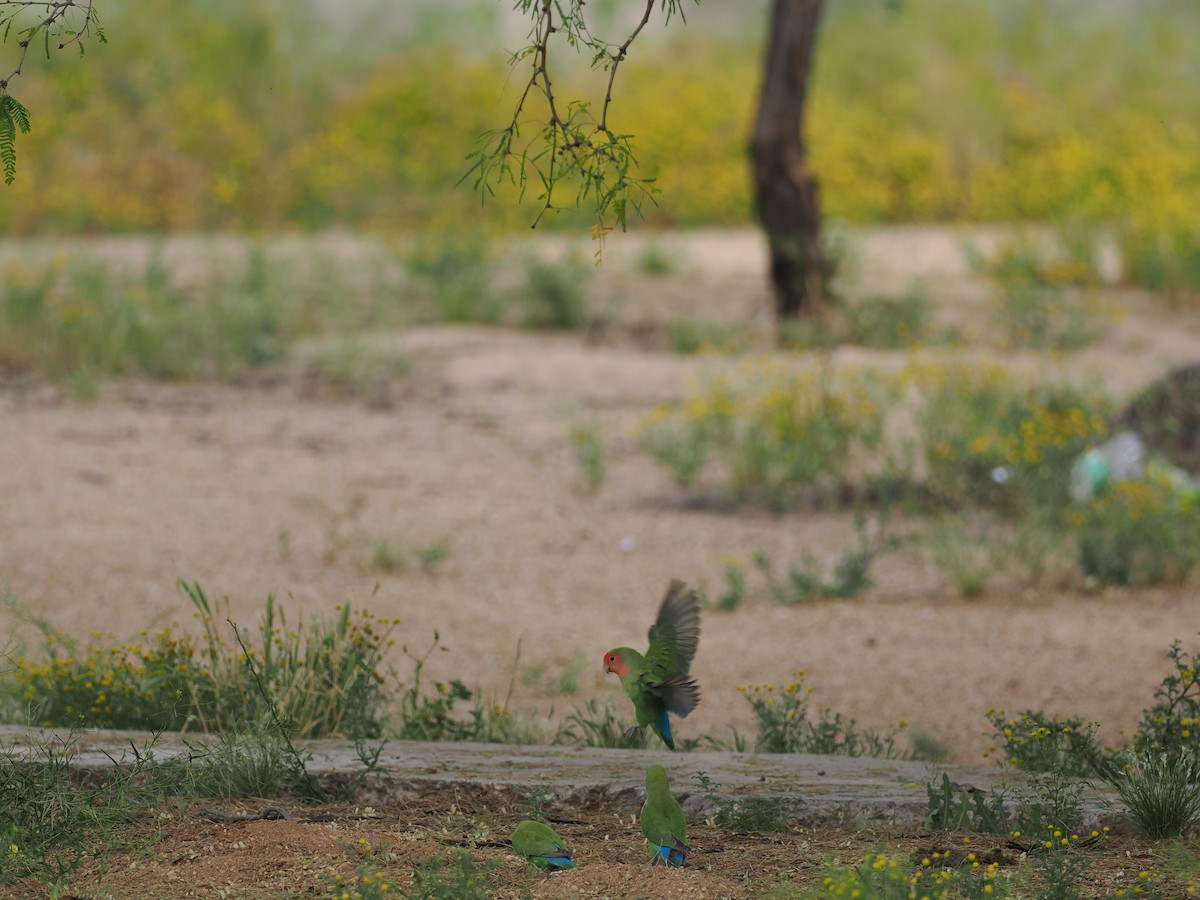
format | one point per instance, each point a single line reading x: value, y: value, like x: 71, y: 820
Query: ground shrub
x: 784, y: 725
x: 325, y: 678
x: 773, y: 431
x: 1143, y: 531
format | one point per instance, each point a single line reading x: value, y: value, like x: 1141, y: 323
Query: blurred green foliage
x: 249, y: 115
x: 989, y: 440
x: 132, y: 308
x: 1144, y: 531
x: 772, y: 431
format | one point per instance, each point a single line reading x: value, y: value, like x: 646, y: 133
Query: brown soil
x: 278, y: 485
x: 174, y: 854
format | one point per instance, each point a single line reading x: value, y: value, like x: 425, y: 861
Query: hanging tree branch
x: 619, y: 57
x: 62, y: 23
x: 572, y: 145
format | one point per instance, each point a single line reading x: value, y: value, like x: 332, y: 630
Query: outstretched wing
x: 678, y: 693
x: 675, y: 634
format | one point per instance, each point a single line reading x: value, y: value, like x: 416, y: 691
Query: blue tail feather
x: 672, y: 856
x: 663, y: 726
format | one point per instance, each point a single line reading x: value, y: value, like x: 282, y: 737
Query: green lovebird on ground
x: 538, y: 843
x: 662, y: 820
x: 658, y: 682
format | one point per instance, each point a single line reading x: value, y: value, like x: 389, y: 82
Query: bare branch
x: 617, y: 59
x: 572, y: 144
x: 53, y: 22
x: 69, y: 21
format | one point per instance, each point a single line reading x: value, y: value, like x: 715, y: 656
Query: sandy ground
x: 175, y: 854
x: 266, y: 487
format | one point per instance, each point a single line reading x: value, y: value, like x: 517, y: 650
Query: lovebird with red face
x: 657, y: 681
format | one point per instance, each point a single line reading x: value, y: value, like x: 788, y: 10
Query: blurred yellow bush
x: 218, y: 117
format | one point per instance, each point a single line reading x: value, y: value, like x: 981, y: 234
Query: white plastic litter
x: 1121, y: 458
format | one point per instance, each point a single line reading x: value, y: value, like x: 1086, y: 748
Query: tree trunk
x: 785, y: 191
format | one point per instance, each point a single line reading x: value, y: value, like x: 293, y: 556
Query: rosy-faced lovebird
x: 662, y: 820
x: 538, y: 843
x: 658, y: 682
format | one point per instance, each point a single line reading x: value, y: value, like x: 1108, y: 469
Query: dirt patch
x: 269, y: 488
x: 243, y: 859
x: 175, y: 856
x: 271, y: 858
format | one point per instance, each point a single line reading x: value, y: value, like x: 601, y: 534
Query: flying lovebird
x: 538, y: 843
x: 662, y: 820
x: 658, y: 682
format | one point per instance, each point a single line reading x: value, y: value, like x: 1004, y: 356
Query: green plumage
x: 658, y: 682
x: 539, y: 844
x: 663, y: 823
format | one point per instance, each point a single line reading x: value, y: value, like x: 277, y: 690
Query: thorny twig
x: 574, y: 142
x: 56, y: 11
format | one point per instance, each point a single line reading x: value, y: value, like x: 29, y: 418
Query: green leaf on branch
x: 574, y: 147
x: 14, y: 117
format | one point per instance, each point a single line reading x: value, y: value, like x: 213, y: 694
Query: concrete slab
x: 835, y: 789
